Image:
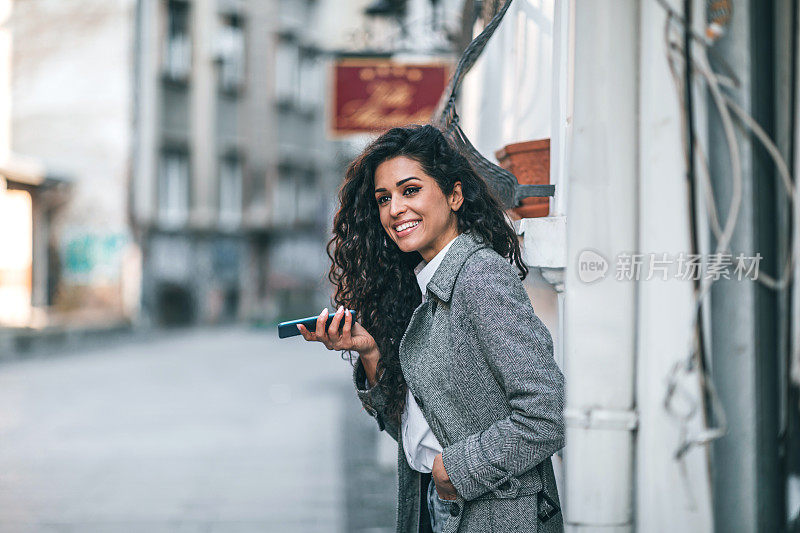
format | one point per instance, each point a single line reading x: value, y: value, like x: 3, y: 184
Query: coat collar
x: 443, y: 280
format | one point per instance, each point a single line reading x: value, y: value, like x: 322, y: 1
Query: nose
x: 396, y: 206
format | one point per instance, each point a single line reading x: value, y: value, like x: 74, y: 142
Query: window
x: 231, y: 52
x: 310, y: 88
x: 287, y: 73
x: 173, y: 189
x: 230, y: 191
x: 285, y: 199
x: 308, y: 197
x: 177, y: 45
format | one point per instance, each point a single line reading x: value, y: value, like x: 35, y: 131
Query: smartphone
x: 289, y: 329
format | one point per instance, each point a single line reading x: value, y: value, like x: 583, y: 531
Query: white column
x: 600, y: 317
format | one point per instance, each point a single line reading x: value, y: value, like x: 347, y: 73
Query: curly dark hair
x: 371, y: 274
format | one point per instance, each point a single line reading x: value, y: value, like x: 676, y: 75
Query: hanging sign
x: 375, y: 95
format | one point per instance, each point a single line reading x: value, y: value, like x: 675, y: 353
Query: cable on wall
x: 732, y: 115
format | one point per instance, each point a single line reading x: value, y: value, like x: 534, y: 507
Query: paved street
x: 215, y: 430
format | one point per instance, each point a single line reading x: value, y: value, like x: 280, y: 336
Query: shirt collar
x: 424, y: 271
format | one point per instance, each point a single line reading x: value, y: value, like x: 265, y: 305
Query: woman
x: 451, y: 359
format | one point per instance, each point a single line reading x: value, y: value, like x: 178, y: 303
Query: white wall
x: 506, y: 97
x: 71, y: 99
x: 5, y: 89
x: 670, y: 494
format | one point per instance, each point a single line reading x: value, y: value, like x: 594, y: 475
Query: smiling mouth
x: 407, y: 228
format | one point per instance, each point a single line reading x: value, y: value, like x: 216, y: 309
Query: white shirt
x: 419, y: 443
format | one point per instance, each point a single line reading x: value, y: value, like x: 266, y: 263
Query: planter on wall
x: 529, y: 161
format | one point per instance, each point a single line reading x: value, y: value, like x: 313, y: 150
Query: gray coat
x: 480, y: 364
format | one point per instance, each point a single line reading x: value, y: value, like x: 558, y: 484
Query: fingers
x: 307, y: 335
x: 348, y: 323
x: 319, y: 333
x: 446, y: 495
x: 333, y: 329
x: 322, y: 335
x: 330, y: 336
x: 321, y: 319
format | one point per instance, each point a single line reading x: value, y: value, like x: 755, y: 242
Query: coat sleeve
x: 373, y: 399
x: 518, y: 350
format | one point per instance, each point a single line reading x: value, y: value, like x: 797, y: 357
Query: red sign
x: 375, y: 95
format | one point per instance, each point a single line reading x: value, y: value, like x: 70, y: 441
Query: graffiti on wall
x: 92, y: 257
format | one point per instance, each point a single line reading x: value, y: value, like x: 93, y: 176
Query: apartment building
x: 225, y: 191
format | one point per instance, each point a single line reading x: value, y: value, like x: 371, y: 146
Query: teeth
x: 407, y: 225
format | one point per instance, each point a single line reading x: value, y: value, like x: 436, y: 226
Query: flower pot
x: 529, y: 161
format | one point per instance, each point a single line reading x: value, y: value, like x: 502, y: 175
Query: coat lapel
x: 415, y: 342
x: 443, y: 280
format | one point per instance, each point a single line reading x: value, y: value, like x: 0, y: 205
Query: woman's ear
x: 456, y: 198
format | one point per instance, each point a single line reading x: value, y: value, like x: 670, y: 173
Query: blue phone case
x: 289, y: 329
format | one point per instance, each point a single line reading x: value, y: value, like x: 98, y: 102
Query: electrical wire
x: 696, y: 347
x: 783, y: 170
x: 752, y: 126
x: 724, y: 105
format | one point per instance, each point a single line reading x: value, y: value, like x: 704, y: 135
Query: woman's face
x: 405, y: 193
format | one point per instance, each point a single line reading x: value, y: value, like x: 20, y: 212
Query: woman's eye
x: 409, y: 190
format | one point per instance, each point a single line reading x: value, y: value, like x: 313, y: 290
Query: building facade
x: 226, y: 189
x: 693, y: 415
x: 68, y: 119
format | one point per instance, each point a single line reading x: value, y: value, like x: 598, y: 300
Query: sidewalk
x: 18, y: 343
x: 214, y: 430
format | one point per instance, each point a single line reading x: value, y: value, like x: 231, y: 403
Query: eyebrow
x: 399, y: 183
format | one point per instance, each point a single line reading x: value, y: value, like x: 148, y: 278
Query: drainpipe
x: 600, y: 317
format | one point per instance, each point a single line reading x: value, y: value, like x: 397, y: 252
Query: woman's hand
x: 445, y: 489
x: 353, y: 335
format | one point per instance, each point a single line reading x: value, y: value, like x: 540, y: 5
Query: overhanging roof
x: 23, y: 169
